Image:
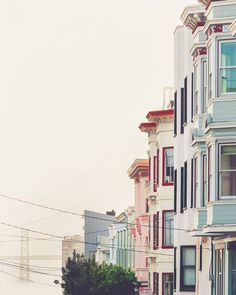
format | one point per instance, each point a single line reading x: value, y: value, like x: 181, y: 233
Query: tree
x: 83, y: 276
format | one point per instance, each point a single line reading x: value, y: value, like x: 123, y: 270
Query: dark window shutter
x: 186, y: 100
x: 182, y: 112
x: 192, y: 95
x: 155, y: 231
x: 200, y: 258
x: 155, y: 283
x: 175, y: 191
x: 185, y: 183
x: 192, y: 189
x: 175, y: 113
x: 182, y: 190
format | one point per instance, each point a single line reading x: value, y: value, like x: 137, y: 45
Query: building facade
x: 138, y: 171
x: 159, y: 198
x: 95, y: 224
x: 71, y: 244
x: 205, y: 150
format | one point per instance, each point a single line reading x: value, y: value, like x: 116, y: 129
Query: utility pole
x: 24, y: 257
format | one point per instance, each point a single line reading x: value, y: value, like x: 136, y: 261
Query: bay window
x: 227, y: 64
x: 167, y: 229
x: 227, y: 173
x: 187, y: 268
x: 168, y: 166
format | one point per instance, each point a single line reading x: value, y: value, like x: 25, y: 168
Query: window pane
x: 168, y: 229
x: 228, y: 54
x: 228, y: 80
x: 188, y: 257
x: 228, y: 157
x: 228, y: 183
x: 189, y: 276
x: 169, y: 164
x: 168, y: 284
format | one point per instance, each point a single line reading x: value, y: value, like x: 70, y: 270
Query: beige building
x: 71, y: 244
x: 160, y: 200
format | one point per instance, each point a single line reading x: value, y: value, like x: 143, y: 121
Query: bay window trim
x: 221, y: 93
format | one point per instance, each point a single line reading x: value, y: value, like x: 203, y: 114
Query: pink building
x: 139, y: 172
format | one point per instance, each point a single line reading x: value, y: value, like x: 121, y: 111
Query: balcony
x: 221, y: 217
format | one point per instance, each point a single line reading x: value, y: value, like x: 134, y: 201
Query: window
x: 200, y: 258
x: 167, y: 229
x: 209, y: 173
x: 156, y: 231
x: 195, y: 181
x: 204, y: 180
x: 168, y: 166
x: 188, y: 268
x: 210, y: 83
x: 167, y: 283
x: 227, y: 173
x: 227, y: 67
x: 204, y: 78
x: 155, y: 283
x: 219, y: 257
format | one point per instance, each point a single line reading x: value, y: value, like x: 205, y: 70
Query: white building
x: 205, y: 150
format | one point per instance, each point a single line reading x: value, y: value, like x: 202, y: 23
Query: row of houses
x: 180, y: 235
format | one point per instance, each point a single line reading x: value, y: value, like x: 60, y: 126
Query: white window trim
x: 219, y: 171
x: 220, y: 68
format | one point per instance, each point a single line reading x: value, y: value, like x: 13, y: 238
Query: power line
x: 74, y: 240
x: 76, y: 214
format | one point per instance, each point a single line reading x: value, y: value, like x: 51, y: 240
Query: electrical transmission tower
x: 24, y: 257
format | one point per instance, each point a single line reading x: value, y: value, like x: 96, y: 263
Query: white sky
x: 77, y: 77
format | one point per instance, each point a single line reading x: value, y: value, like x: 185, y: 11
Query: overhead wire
x: 77, y: 214
x: 78, y: 241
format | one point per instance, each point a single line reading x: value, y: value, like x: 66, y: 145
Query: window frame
x: 190, y: 288
x: 219, y: 171
x: 164, y: 246
x: 231, y: 40
x: 163, y: 276
x: 166, y: 183
x: 195, y: 92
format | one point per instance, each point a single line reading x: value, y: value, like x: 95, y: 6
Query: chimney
x: 111, y: 213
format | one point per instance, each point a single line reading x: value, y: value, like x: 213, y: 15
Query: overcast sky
x: 77, y: 77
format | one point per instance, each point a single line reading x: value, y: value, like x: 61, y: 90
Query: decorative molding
x: 199, y: 52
